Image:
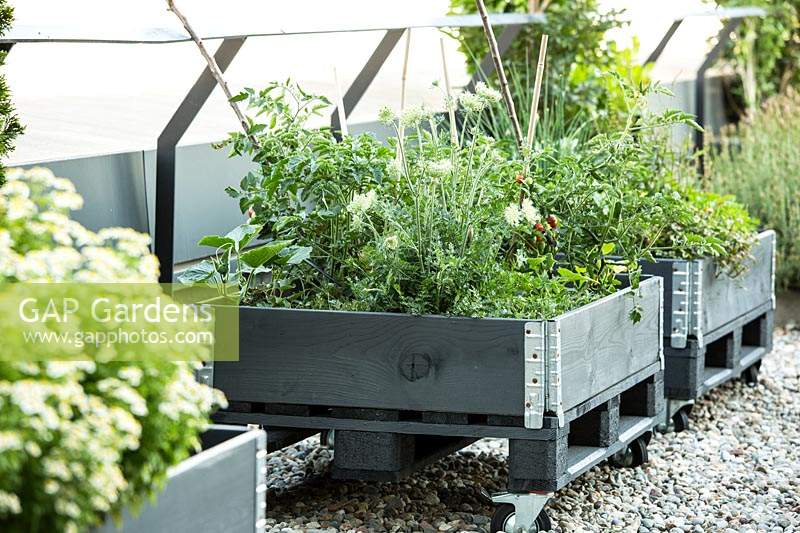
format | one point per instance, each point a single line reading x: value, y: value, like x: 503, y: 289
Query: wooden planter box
x: 221, y: 488
x: 698, y: 302
x: 716, y: 327
x: 400, y: 391
x: 320, y: 363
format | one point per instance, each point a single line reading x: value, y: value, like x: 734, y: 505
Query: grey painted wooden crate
x: 221, y: 488
x: 485, y: 367
x: 698, y: 300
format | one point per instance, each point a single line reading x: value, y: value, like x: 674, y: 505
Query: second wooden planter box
x: 716, y: 327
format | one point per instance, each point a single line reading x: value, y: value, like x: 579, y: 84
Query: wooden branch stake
x: 214, y: 69
x: 501, y: 74
x: 340, y: 105
x: 451, y: 103
x: 537, y: 90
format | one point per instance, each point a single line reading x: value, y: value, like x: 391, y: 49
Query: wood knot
x: 415, y: 366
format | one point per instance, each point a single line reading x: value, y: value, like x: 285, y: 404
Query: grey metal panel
x: 112, y: 187
x: 725, y: 299
x: 215, y: 490
x: 601, y: 346
x: 202, y: 205
x: 172, y: 32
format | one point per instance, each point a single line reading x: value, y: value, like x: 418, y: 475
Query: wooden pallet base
x: 369, y: 456
x: 548, y: 465
x: 386, y: 445
x: 692, y: 371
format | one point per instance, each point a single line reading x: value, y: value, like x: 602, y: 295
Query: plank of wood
x: 377, y: 361
x: 601, y: 346
x: 725, y: 298
x: 212, y: 491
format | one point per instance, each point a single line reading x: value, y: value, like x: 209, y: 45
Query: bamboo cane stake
x: 501, y: 74
x: 537, y: 90
x: 340, y: 105
x: 403, y: 79
x: 214, y: 69
x: 451, y: 104
x: 404, y: 76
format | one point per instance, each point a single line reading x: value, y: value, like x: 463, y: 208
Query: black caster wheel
x: 648, y: 436
x: 750, y: 374
x: 504, y: 520
x: 634, y: 455
x: 680, y: 420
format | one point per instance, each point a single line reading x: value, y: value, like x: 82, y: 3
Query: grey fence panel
x: 202, y: 207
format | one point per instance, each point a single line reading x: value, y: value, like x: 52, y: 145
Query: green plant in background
x: 579, y: 57
x: 10, y: 126
x: 80, y: 440
x: 758, y: 162
x: 766, y: 51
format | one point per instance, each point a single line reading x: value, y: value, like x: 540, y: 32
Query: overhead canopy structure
x: 241, y: 28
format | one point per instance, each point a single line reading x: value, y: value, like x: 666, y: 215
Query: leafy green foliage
x: 420, y: 227
x: 631, y: 190
x: 758, y: 163
x: 766, y: 51
x: 10, y: 126
x: 233, y: 269
x: 579, y: 57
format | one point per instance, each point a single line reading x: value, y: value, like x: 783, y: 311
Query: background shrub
x: 759, y: 162
x: 10, y: 126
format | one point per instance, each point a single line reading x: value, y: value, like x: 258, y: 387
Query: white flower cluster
x: 483, y: 97
x: 360, y: 206
x: 33, y: 217
x: 73, y: 427
x: 440, y: 168
x: 515, y: 214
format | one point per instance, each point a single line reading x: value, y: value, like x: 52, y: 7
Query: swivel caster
x: 750, y: 374
x: 632, y: 456
x: 680, y: 420
x: 505, y: 519
x: 520, y: 512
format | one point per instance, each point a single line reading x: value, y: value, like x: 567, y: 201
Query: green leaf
x: 607, y: 248
x: 296, y: 255
x: 239, y: 97
x: 241, y: 235
x: 216, y: 241
x: 197, y: 273
x: 263, y: 254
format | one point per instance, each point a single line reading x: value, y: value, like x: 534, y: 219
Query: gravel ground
x: 736, y: 470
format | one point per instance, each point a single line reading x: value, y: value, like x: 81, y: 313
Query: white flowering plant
x: 82, y: 439
x: 427, y: 225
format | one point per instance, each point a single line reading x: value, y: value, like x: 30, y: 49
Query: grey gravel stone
x: 736, y: 469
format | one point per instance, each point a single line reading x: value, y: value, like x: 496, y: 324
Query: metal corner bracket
x: 205, y: 374
x: 687, y: 289
x: 543, y: 390
x: 535, y: 354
